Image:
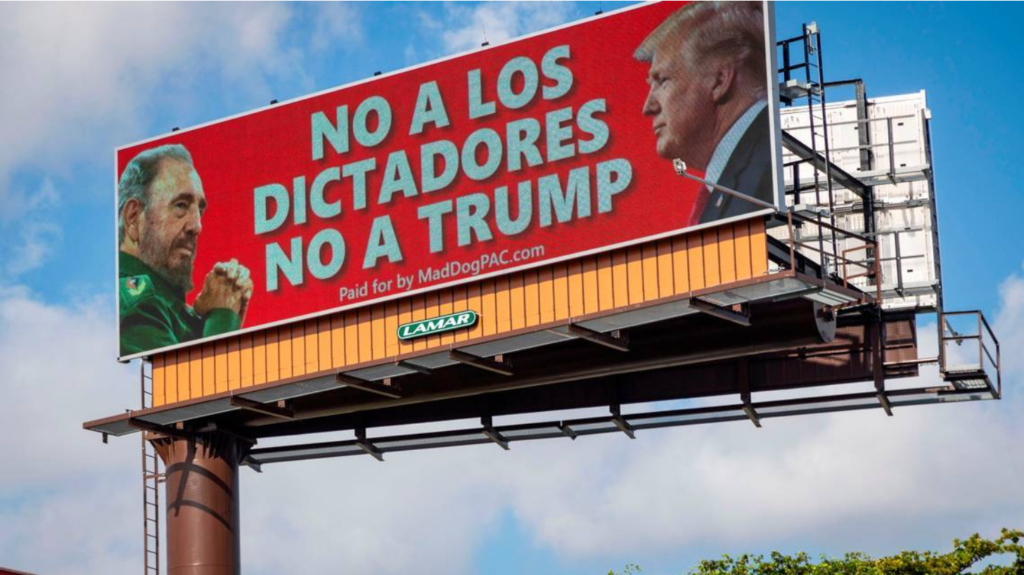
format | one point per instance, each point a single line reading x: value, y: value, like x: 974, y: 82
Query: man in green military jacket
x: 160, y: 208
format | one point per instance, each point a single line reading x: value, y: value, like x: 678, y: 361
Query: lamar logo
x: 436, y: 325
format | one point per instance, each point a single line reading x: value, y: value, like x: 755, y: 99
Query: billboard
x: 546, y: 148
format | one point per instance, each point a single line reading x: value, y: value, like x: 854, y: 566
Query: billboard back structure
x: 548, y: 148
x: 887, y: 148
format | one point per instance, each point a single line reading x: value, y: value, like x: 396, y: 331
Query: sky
x: 79, y: 80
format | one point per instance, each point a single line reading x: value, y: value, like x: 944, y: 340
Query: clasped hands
x: 229, y: 286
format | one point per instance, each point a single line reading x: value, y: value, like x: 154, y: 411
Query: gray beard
x: 155, y: 256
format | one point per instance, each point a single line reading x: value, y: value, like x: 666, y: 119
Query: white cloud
x: 104, y: 69
x: 57, y: 369
x: 833, y: 483
x: 467, y: 27
x: 39, y: 239
x: 68, y: 503
x: 37, y: 236
x: 829, y: 482
x: 824, y: 480
x: 337, y: 23
x: 22, y: 203
x: 1009, y: 325
x: 81, y: 79
x: 423, y: 513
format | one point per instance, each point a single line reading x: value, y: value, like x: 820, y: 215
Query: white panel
x: 903, y: 196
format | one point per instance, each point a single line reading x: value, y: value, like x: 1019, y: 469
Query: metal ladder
x: 151, y: 480
x: 815, y: 78
x: 803, y: 53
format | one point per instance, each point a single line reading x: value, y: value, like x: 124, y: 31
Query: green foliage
x: 965, y: 554
x: 630, y: 569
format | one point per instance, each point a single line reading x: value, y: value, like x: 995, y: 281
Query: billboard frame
x: 775, y: 135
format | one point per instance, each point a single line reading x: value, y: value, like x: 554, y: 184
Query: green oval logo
x: 437, y: 325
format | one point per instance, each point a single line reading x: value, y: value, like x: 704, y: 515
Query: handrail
x: 871, y: 266
x: 984, y: 329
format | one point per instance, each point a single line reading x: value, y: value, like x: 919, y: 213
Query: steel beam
x: 841, y: 176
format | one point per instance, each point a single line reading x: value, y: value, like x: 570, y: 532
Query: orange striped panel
x: 246, y: 357
x: 160, y: 380
x: 259, y: 358
x: 600, y: 283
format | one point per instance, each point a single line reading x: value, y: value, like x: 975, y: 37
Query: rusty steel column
x: 202, y: 503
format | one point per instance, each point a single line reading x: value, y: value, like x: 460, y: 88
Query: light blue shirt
x: 727, y: 145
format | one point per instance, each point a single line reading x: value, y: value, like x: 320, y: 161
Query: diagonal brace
x: 621, y: 423
x: 367, y: 447
x: 393, y: 390
x: 619, y: 343
x: 500, y: 367
x: 567, y: 431
x: 841, y: 176
x: 719, y: 312
x: 883, y: 400
x: 157, y: 428
x: 414, y: 367
x: 493, y: 434
x: 278, y: 410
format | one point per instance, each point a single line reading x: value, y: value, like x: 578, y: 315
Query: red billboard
x: 545, y: 148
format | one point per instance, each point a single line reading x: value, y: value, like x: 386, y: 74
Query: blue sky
x: 822, y: 484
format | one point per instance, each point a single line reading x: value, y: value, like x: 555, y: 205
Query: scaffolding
x: 865, y: 166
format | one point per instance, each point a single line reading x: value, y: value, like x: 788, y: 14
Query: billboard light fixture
x: 680, y: 168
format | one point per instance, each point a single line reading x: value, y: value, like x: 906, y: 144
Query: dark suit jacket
x: 748, y: 170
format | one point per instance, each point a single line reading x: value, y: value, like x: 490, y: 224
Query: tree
x: 965, y: 554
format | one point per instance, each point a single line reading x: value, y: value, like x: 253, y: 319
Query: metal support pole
x: 877, y: 330
x: 866, y: 164
x: 202, y: 503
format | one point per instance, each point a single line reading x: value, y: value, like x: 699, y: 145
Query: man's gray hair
x: 714, y: 30
x: 139, y: 174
